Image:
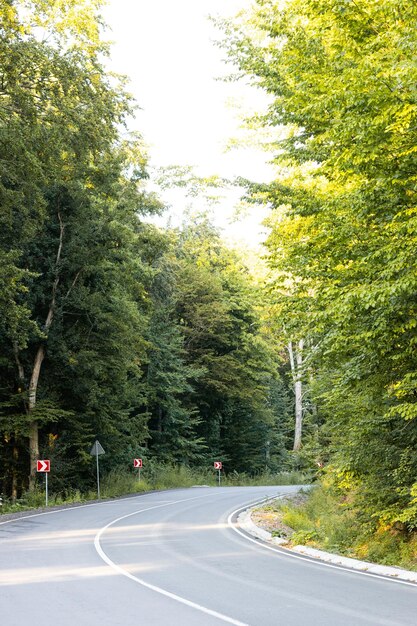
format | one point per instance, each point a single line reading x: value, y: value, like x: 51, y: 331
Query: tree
x: 217, y: 306
x: 71, y: 193
x: 343, y: 226
x: 173, y: 415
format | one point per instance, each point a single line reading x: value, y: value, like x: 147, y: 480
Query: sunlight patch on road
x: 60, y: 537
x: 24, y: 576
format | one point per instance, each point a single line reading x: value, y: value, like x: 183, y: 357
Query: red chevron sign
x: 137, y: 463
x: 218, y: 465
x: 43, y: 466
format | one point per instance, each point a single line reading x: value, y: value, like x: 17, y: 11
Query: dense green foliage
x: 326, y: 518
x: 160, y: 342
x: 343, y: 229
x: 150, y: 340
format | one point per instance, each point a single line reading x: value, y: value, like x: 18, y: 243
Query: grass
x: 154, y: 477
x: 36, y: 499
x: 266, y: 479
x: 328, y: 521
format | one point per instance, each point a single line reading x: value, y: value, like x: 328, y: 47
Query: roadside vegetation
x: 170, y: 345
x: 327, y: 519
x: 342, y: 126
x: 154, y: 341
x: 157, y: 476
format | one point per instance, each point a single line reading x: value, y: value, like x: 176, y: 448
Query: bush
x: 329, y: 520
x: 297, y: 519
x: 266, y: 479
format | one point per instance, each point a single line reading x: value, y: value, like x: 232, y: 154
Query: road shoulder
x: 247, y: 524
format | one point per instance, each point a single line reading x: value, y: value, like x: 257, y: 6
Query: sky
x: 187, y: 116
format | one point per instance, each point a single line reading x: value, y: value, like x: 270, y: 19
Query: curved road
x: 172, y: 558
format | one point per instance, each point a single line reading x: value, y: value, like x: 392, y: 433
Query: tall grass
x: 154, y: 476
x: 266, y: 479
x: 331, y: 522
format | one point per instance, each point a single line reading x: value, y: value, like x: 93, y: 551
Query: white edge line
x: 287, y: 552
x: 142, y: 582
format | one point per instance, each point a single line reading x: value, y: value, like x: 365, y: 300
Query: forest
x: 341, y: 77
x: 151, y: 340
x: 165, y: 343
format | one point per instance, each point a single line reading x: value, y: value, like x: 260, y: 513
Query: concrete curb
x: 245, y: 522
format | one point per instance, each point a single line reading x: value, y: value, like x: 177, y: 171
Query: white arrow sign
x: 43, y: 466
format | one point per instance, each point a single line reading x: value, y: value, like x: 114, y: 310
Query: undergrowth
x: 154, y: 476
x: 330, y: 521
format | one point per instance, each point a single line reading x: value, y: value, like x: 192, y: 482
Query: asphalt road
x: 172, y: 558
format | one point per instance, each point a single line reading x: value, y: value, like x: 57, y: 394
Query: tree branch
x: 51, y: 311
x: 73, y: 283
x: 20, y: 369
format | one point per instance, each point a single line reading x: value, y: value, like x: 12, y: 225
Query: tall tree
x: 173, y: 415
x: 217, y: 305
x: 70, y: 190
x: 341, y: 80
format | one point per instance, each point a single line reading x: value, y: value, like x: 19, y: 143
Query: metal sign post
x: 96, y: 450
x: 98, y: 477
x: 44, y: 467
x: 139, y: 464
x: 218, y: 466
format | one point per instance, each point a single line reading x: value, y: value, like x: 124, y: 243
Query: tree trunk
x: 15, y: 456
x: 267, y: 452
x: 159, y: 427
x: 33, y: 425
x: 37, y: 365
x: 296, y: 362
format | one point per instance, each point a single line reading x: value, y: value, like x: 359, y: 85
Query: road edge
x: 245, y: 522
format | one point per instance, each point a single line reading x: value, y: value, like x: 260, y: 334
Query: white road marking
x: 142, y: 582
x: 286, y: 552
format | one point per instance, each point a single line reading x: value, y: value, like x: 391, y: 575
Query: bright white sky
x: 166, y: 48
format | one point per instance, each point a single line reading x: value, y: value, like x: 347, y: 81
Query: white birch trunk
x: 296, y: 363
